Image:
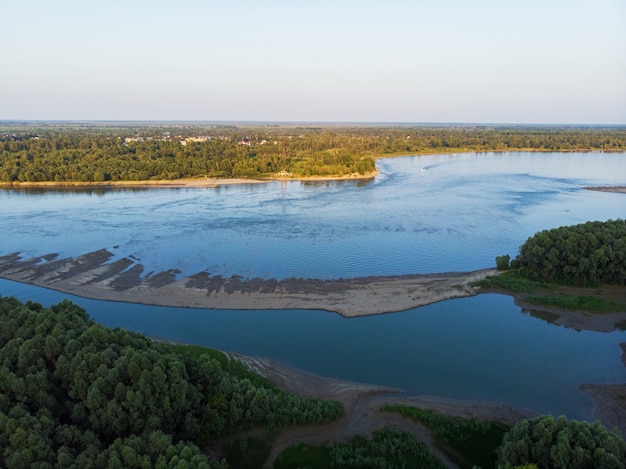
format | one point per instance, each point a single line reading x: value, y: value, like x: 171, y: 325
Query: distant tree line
x: 77, y: 394
x: 587, y: 254
x: 126, y: 153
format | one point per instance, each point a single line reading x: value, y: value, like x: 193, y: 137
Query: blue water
x: 421, y: 214
x: 459, y: 213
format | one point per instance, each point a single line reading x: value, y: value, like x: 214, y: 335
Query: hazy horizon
x: 429, y: 63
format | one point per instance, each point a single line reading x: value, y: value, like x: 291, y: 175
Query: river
x: 419, y: 215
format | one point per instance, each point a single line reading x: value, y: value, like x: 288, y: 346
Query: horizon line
x: 301, y: 122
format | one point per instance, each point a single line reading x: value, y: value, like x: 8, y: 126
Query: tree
x: 559, y: 443
x: 502, y: 262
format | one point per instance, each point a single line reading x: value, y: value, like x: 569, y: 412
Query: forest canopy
x: 587, y: 254
x: 559, y: 443
x: 100, y: 153
x: 75, y: 393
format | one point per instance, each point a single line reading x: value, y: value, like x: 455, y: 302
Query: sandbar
x: 179, y: 183
x: 96, y: 275
x: 619, y: 189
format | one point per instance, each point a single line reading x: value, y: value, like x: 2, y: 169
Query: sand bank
x: 178, y: 183
x: 620, y: 189
x: 95, y: 275
x: 175, y: 183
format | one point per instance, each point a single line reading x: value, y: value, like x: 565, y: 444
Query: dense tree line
x: 561, y: 444
x: 74, y: 393
x: 125, y: 153
x: 586, y: 254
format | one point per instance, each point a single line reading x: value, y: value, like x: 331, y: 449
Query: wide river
x: 419, y: 215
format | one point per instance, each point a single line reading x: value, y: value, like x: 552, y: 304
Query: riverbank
x: 178, y: 183
x: 362, y: 404
x: 96, y: 275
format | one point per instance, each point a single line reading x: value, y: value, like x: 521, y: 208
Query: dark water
x: 422, y: 214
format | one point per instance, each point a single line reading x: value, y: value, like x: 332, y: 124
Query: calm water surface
x: 421, y: 214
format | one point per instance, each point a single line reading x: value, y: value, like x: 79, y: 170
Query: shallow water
x: 421, y: 214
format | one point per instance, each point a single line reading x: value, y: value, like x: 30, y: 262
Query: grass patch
x: 468, y: 442
x: 513, y: 282
x: 387, y: 448
x: 303, y: 457
x: 248, y: 453
x: 585, y: 303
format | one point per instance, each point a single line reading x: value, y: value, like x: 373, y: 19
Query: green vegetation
x: 388, y: 448
x: 585, y: 255
x: 248, y: 453
x: 74, y: 393
x: 114, y: 152
x: 577, y: 302
x: 513, y: 282
x: 303, y: 456
x: 558, y: 443
x: 468, y: 442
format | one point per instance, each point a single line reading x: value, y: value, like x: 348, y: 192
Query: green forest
x: 77, y: 394
x: 587, y: 254
x: 115, y: 152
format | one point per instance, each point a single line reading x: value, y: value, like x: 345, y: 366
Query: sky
x: 419, y: 61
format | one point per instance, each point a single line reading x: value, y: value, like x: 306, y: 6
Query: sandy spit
x: 93, y: 276
x: 620, y: 189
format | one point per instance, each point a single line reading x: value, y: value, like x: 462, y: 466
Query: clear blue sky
x: 496, y: 61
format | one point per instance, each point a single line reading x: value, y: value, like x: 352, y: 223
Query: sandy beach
x: 179, y: 183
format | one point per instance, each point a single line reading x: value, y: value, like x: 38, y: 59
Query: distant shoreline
x: 180, y: 183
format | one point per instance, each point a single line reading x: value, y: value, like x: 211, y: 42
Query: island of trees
x: 103, y: 152
x: 586, y: 255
